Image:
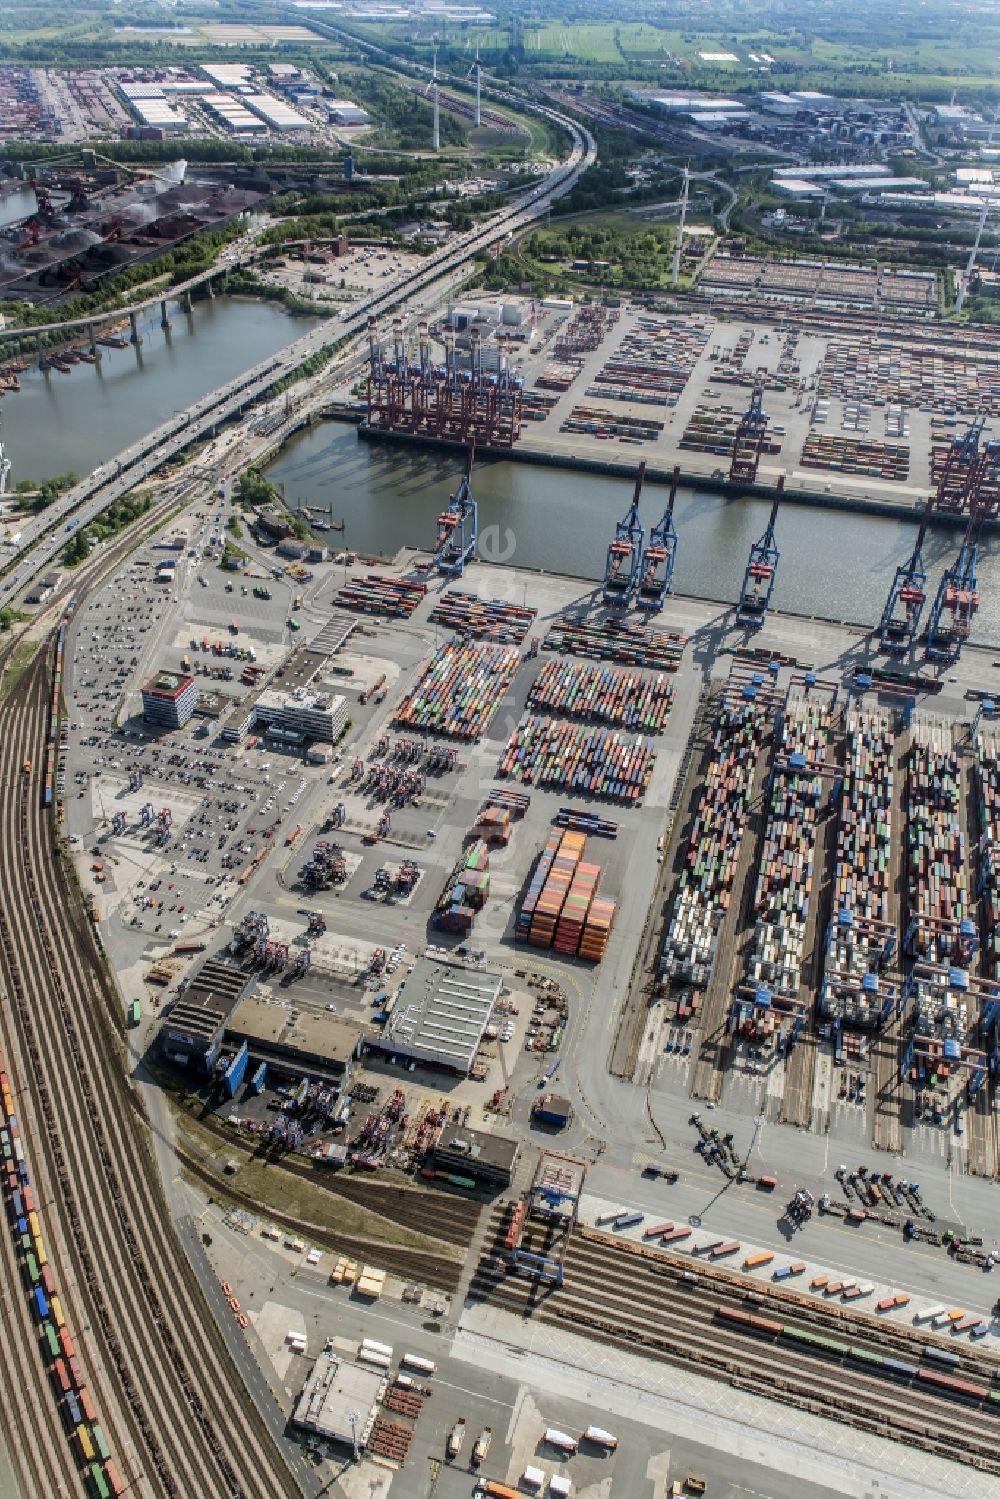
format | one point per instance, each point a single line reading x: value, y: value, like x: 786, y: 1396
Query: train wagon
x: 73, y: 1408
x: 41, y: 1302
x: 85, y: 1444
x: 57, y: 1312
x: 48, y: 1280
x: 31, y: 1266
x: 87, y: 1406
x: 51, y: 1340
x: 99, y: 1483
x: 100, y: 1443
x: 61, y: 1375
x: 111, y: 1473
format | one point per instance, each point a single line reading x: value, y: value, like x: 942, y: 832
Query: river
x: 834, y: 564
x: 58, y: 422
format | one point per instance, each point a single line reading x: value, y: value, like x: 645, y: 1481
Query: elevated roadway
x: 43, y: 536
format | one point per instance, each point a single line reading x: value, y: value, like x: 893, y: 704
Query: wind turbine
x: 676, y: 268
x: 477, y: 69
x: 433, y: 85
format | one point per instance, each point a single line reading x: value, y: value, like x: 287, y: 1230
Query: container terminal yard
x: 591, y: 951
x: 412, y: 867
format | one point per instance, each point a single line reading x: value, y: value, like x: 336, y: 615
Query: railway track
x: 428, y: 1210
x: 411, y: 1264
x: 176, y: 1419
x: 643, y: 1303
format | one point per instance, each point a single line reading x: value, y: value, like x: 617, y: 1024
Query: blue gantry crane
x: 762, y: 567
x: 748, y: 443
x: 458, y: 527
x: 656, y: 572
x: 957, y: 598
x: 905, y: 604
x: 621, y: 571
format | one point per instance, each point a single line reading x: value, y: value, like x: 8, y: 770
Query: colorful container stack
x: 376, y: 594
x: 461, y: 689
x: 704, y: 887
x: 628, y: 645
x: 861, y: 933
x: 602, y: 693
x: 937, y: 877
x: 561, y: 909
x: 988, y: 784
x: 596, y: 762
x: 483, y: 619
x: 494, y: 824
x: 785, y: 876
x: 653, y: 362
x: 466, y: 890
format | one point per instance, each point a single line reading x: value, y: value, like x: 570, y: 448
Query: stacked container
x: 603, y: 693
x: 785, y: 878
x: 483, y: 619
x: 988, y: 786
x: 614, y: 640
x: 596, y: 762
x: 937, y: 877
x: 461, y: 689
x: 376, y: 594
x: 561, y: 909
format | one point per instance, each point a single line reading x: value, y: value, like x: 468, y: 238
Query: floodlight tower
x: 963, y: 285
x: 675, y: 274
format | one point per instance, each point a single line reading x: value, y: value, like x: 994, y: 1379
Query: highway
x: 43, y: 536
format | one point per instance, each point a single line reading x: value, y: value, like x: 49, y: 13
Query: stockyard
x: 392, y: 909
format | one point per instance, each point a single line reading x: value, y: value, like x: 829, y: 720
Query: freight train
x: 945, y: 1384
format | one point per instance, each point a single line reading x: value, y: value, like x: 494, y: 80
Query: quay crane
x: 957, y: 599
x: 905, y: 604
x: 749, y: 440
x: 621, y: 571
x: 657, y: 567
x: 762, y: 566
x: 458, y: 527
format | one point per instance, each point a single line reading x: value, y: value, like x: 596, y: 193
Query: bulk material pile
x: 602, y: 693
x: 988, y: 783
x: 484, y: 619
x: 628, y: 645
x: 597, y: 762
x: 936, y: 874
x: 861, y: 933
x: 705, y: 884
x: 561, y: 909
x: 785, y: 877
x: 460, y: 691
x: 376, y: 594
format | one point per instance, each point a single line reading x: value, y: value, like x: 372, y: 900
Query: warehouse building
x: 169, y: 698
x: 340, y: 1401
x: 441, y: 1013
x: 302, y: 1043
x: 191, y: 1034
x: 344, y: 112
x: 275, y: 112
x: 488, y: 1159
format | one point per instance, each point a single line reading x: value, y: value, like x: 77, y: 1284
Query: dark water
x: 58, y: 422
x: 17, y: 205
x: 834, y: 564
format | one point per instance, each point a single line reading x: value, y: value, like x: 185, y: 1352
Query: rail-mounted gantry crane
x: 748, y: 444
x: 957, y: 599
x: 905, y: 604
x: 621, y: 571
x: 762, y: 567
x: 656, y: 571
x: 959, y: 472
x: 458, y: 527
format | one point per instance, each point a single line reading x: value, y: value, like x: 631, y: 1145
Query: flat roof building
x: 305, y: 1042
x: 489, y: 1159
x: 275, y: 112
x: 344, y: 112
x: 169, y: 698
x: 192, y: 1032
x: 442, y: 1010
x: 340, y: 1401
